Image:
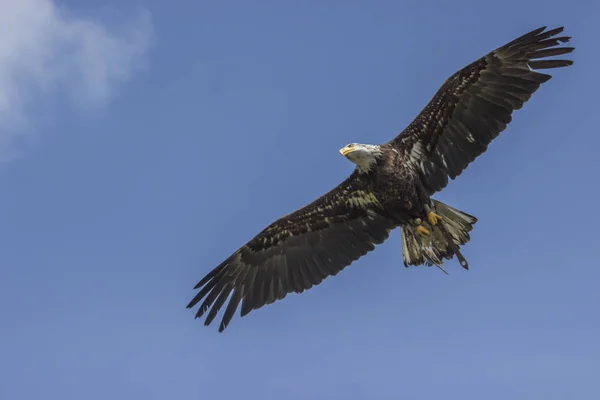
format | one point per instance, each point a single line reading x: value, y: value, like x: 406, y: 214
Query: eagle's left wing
x: 475, y: 104
x: 295, y: 252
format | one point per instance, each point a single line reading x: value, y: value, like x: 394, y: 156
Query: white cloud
x: 45, y: 50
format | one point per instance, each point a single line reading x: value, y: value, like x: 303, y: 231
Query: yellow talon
x: 421, y: 230
x: 433, y: 218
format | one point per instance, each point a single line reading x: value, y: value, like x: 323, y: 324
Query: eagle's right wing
x: 295, y: 252
x: 475, y: 104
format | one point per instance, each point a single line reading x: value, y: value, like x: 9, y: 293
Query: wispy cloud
x: 45, y: 50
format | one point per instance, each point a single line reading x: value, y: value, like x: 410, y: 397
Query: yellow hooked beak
x: 346, y: 150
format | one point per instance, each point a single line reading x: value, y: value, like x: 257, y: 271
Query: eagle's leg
x: 420, y: 228
x: 432, y: 217
x: 427, y: 201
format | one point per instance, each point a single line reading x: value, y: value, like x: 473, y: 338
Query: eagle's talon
x: 433, y: 218
x: 422, y: 231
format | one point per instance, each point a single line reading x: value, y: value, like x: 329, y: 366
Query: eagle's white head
x: 363, y: 155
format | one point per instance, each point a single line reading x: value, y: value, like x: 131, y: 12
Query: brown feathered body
x: 301, y: 249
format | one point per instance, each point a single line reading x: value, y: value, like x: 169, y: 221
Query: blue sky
x: 143, y: 142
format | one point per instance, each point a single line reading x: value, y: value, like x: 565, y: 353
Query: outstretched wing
x: 295, y: 252
x: 475, y: 104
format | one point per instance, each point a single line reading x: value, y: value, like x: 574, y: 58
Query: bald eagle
x: 391, y: 187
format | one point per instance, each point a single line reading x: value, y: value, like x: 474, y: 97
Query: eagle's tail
x: 443, y: 241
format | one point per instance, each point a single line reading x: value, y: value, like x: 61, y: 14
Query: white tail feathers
x: 444, y: 239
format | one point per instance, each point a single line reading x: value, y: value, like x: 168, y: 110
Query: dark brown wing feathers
x: 295, y: 253
x: 475, y: 104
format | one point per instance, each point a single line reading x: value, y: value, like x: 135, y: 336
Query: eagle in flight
x: 390, y: 187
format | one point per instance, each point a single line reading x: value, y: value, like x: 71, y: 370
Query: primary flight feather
x: 390, y: 187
